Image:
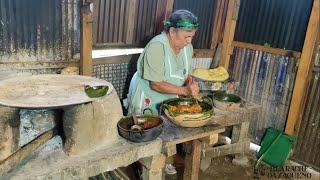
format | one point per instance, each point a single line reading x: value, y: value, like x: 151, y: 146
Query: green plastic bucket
x: 275, y: 147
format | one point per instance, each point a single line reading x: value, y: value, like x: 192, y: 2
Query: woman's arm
x: 168, y: 88
x: 191, y: 89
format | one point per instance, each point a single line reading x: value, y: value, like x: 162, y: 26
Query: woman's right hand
x: 193, y: 88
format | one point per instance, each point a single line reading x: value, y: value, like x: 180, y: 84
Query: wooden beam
x: 203, y: 53
x: 152, y: 167
x: 276, y: 51
x: 305, y: 66
x: 230, y: 26
x: 219, y: 18
x: 235, y: 148
x: 25, y: 151
x: 86, y: 41
x: 210, y: 140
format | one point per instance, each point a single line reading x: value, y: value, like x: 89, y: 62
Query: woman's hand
x: 193, y: 88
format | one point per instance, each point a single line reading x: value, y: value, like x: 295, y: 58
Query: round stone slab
x: 47, y: 91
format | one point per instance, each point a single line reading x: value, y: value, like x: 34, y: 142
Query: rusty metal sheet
x: 47, y: 91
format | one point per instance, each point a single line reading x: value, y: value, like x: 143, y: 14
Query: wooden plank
x: 25, y: 151
x: 152, y: 167
x: 203, y: 53
x: 130, y: 22
x: 240, y: 132
x: 275, y: 51
x: 192, y: 161
x: 187, y: 134
x: 170, y: 150
x: 230, y: 26
x: 210, y: 140
x: 235, y: 148
x: 58, y: 164
x: 305, y: 67
x: 86, y: 42
x: 216, y: 23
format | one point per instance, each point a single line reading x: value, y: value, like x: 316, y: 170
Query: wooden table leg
x: 192, y: 161
x: 153, y: 167
x: 240, y: 134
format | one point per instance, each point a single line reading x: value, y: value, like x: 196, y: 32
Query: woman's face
x: 181, y: 38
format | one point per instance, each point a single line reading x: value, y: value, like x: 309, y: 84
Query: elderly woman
x: 164, y: 66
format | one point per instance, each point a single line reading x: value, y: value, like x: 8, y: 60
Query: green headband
x: 181, y: 24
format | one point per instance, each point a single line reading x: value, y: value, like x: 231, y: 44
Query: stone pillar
x: 9, y: 131
x: 92, y: 125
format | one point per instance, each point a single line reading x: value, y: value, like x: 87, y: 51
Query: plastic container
x: 275, y: 147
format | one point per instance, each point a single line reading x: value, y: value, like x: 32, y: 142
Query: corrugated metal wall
x: 145, y: 21
x: 110, y: 21
x: 265, y: 79
x: 307, y: 146
x: 281, y: 24
x: 36, y: 32
x: 205, y: 12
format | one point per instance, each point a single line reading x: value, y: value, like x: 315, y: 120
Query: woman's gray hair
x: 178, y: 16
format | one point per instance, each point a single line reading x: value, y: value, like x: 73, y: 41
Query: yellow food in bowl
x: 217, y: 74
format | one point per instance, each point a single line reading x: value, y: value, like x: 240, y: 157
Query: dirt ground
x: 222, y: 168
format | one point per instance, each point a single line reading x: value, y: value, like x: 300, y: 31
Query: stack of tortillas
x: 218, y: 74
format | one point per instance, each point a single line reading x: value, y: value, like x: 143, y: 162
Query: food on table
x: 188, y: 108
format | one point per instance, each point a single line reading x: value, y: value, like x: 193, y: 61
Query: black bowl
x: 144, y: 135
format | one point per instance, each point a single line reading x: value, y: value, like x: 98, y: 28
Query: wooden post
x: 305, y: 66
x: 192, y: 161
x: 164, y: 9
x: 152, y: 167
x: 217, y: 22
x: 230, y: 26
x: 86, y: 40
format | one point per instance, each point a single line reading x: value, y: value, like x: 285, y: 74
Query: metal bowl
x: 140, y: 135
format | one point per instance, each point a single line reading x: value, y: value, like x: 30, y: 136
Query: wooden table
x: 151, y: 154
x: 239, y: 120
x: 173, y: 135
x: 201, y: 140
